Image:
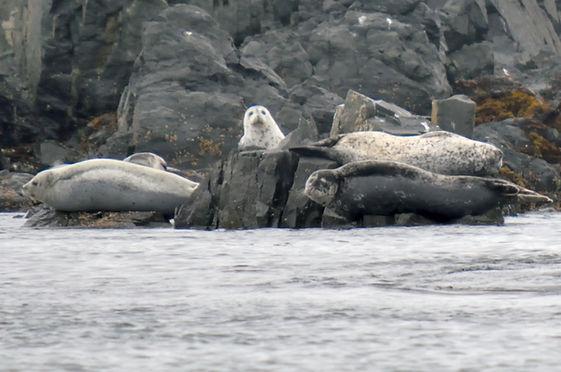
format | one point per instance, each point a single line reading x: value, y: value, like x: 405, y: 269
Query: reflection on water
x: 419, y: 298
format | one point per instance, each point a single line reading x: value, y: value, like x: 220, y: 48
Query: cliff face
x: 109, y: 77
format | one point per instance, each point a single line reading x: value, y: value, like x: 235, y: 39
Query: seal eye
x: 34, y: 183
x: 251, y: 113
x: 263, y: 112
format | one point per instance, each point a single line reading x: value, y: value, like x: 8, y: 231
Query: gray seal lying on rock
x: 440, y: 152
x: 387, y: 188
x: 109, y: 185
x: 260, y: 130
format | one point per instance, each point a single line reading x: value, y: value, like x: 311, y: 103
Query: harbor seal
x: 109, y: 185
x: 151, y: 160
x: 148, y: 159
x: 387, y: 188
x: 439, y: 152
x: 260, y: 130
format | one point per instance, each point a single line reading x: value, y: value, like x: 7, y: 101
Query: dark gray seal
x: 387, y: 188
x: 439, y: 152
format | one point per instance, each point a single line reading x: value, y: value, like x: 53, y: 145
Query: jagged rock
x: 309, y: 98
x: 299, y: 210
x: 248, y: 190
x: 395, y: 62
x: 280, y: 50
x: 464, y: 22
x: 455, y: 114
x: 187, y: 105
x: 331, y: 220
x: 361, y: 113
x: 11, y: 196
x: 46, y: 217
x: 305, y: 133
x: 471, y: 61
x: 521, y: 31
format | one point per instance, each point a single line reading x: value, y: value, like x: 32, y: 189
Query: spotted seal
x: 440, y: 152
x: 151, y: 160
x: 260, y: 130
x: 386, y: 188
x: 109, y: 185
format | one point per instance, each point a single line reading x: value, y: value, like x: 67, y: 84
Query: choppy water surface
x: 422, y: 298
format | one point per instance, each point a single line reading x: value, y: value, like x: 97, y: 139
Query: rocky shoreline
x: 110, y: 78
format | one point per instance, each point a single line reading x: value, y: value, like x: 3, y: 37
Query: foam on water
x: 420, y: 298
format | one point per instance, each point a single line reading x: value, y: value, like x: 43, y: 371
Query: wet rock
x: 378, y: 221
x: 455, y: 114
x: 361, y: 113
x: 11, y: 196
x: 248, y: 190
x: 412, y: 219
x: 331, y: 220
x: 46, y: 217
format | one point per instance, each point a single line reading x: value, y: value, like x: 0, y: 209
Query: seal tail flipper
x: 522, y: 194
x: 528, y: 196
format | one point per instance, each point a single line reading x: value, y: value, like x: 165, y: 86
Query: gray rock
x: 331, y: 220
x: 255, y: 189
x: 305, y: 133
x: 455, y: 114
x: 377, y: 221
x: 471, y: 61
x: 361, y: 113
x: 52, y: 153
x: 397, y: 63
x: 300, y: 211
x: 187, y: 105
x: 11, y: 196
x: 46, y: 217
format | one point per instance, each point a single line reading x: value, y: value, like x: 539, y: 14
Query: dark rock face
x: 187, y: 105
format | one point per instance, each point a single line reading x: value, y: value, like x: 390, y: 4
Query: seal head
x: 260, y: 130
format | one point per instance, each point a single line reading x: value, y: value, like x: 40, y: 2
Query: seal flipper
x: 522, y: 194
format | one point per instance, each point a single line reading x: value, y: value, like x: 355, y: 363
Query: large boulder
x: 361, y: 113
x: 187, y: 94
x: 380, y: 57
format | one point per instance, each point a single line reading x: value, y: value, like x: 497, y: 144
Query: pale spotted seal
x: 151, y: 160
x: 386, y: 188
x: 109, y: 185
x: 260, y: 130
x: 440, y: 152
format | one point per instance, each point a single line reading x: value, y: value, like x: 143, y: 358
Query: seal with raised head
x: 109, y: 185
x: 440, y: 152
x: 387, y: 188
x: 260, y: 130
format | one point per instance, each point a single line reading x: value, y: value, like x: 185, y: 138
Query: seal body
x: 109, y: 185
x: 387, y: 188
x: 440, y: 152
x: 260, y: 130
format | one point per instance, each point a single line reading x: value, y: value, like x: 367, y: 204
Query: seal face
x: 386, y: 188
x: 440, y: 152
x: 260, y: 130
x: 109, y: 185
x: 148, y: 159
